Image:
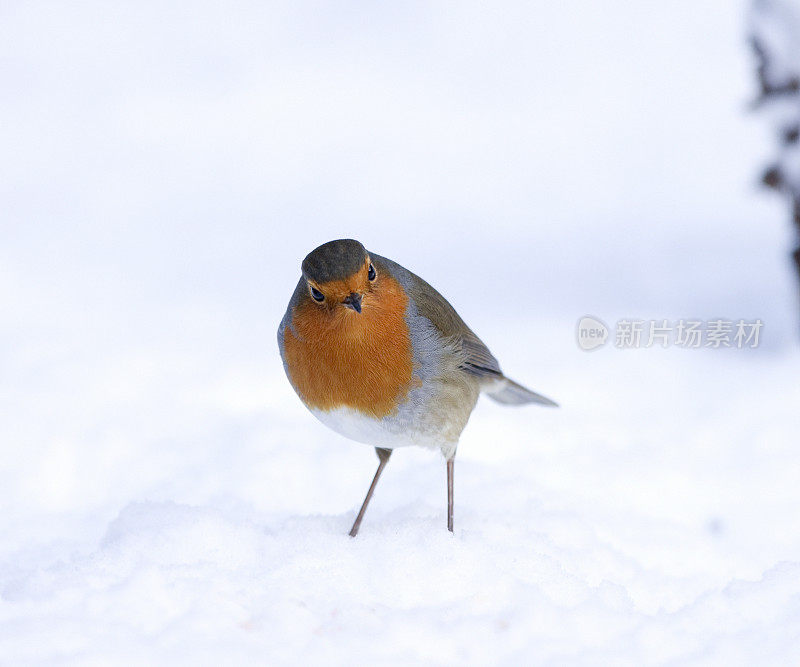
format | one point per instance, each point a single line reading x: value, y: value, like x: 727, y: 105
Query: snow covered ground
x: 164, y: 496
x: 652, y: 518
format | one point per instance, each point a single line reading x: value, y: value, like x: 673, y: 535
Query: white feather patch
x: 386, y: 432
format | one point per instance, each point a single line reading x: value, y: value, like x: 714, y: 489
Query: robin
x: 381, y: 357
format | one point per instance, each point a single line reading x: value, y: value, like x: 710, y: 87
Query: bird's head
x: 339, y: 274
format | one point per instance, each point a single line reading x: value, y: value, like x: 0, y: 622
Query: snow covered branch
x: 775, y: 39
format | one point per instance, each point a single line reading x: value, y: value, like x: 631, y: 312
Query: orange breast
x: 339, y: 358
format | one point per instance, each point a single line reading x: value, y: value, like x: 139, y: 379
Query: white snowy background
x: 165, y: 498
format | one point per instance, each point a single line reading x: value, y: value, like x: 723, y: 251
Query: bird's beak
x: 353, y: 301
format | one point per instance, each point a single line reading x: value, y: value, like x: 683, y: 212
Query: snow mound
x: 528, y: 579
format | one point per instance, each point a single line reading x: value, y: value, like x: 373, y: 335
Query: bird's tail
x: 508, y: 392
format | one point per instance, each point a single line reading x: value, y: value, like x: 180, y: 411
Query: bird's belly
x: 389, y: 432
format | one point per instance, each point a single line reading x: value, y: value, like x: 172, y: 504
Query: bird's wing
x: 477, y: 359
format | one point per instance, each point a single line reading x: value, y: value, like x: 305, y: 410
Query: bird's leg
x: 450, y: 462
x: 383, y: 455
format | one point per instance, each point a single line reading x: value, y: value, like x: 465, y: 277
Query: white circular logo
x: 591, y: 333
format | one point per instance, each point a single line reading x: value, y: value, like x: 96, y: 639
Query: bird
x: 380, y: 357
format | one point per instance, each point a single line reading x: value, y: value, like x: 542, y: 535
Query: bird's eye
x: 371, y: 272
x: 317, y: 295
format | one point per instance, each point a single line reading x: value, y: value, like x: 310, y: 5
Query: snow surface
x: 608, y: 531
x: 164, y: 496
